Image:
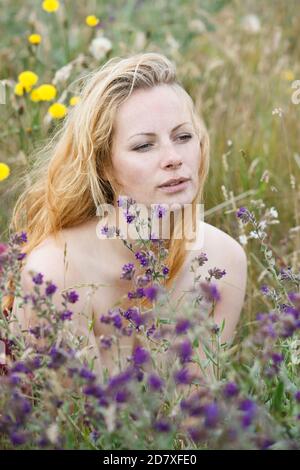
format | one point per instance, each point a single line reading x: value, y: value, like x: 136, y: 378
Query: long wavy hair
x: 71, y: 174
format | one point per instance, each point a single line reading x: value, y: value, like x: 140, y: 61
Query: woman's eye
x: 141, y: 147
x: 185, y: 136
x: 182, y: 137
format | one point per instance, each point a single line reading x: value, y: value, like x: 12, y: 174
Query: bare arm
x: 49, y: 261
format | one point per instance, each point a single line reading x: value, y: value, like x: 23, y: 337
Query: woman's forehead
x: 146, y: 110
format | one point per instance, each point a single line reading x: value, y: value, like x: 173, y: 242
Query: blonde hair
x: 70, y: 177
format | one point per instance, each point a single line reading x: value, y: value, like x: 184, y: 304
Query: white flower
x: 251, y: 23
x: 52, y: 433
x: 99, y: 47
x: 295, y: 352
x: 253, y: 234
x: 63, y: 74
x: 262, y: 224
x: 140, y: 40
x: 273, y: 212
x: 243, y: 239
x: 197, y: 26
x: 277, y: 111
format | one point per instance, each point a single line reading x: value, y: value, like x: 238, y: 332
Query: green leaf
x: 277, y: 398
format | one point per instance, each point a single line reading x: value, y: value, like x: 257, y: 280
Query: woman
x: 134, y: 129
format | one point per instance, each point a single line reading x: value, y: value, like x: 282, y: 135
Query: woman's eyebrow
x: 153, y: 133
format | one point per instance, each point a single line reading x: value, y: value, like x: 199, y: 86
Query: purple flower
x: 17, y: 438
x: 135, y: 316
x: 117, y: 321
x: 294, y: 297
x: 104, y: 230
x: 94, y: 435
x: 66, y: 315
x: 165, y: 270
x: 162, y: 426
x: 105, y: 319
x: 140, y: 356
x: 195, y: 433
x: 297, y: 396
x: 155, y: 382
x: 231, y: 390
x: 3, y: 248
x: 277, y: 358
x: 182, y: 326
x: 14, y: 379
x: 129, y: 218
x: 286, y: 275
x: 38, y: 278
x: 182, y: 376
x: 185, y: 351
x: 154, y: 238
x: 50, y: 289
x: 106, y: 342
x: 93, y: 390
x: 125, y: 202
x: 159, y: 210
x: 247, y: 405
x: 21, y: 256
x: 143, y: 280
x: 19, y: 239
x: 151, y: 330
x: 57, y: 358
x: 243, y: 214
x: 216, y: 273
x: 121, y: 379
x: 72, y: 296
x: 249, y: 408
x: 20, y: 367
x: 142, y: 257
x: 151, y: 292
x: 122, y: 396
x: 136, y: 294
x: 211, y: 413
x: 127, y: 271
x: 87, y: 374
x: 201, y: 259
x: 210, y: 291
x: 122, y: 201
x: 265, y: 289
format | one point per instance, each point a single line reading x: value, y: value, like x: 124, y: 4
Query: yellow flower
x: 92, y: 20
x: 34, y: 95
x: 28, y: 79
x: 57, y: 110
x: 19, y: 89
x: 74, y: 100
x: 50, y: 5
x: 46, y: 92
x: 288, y: 75
x: 4, y: 171
x: 34, y: 38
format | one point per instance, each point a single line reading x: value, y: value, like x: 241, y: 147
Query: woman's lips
x: 175, y: 188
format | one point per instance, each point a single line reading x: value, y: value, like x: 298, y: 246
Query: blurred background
x: 239, y: 60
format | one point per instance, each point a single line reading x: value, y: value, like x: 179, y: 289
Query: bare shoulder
x: 225, y: 253
x: 217, y: 239
x: 231, y: 256
x: 46, y: 258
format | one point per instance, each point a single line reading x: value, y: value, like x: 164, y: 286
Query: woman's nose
x: 173, y: 160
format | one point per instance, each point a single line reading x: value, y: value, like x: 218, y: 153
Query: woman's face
x: 141, y: 163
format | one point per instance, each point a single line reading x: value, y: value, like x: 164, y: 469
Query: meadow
x: 239, y: 60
